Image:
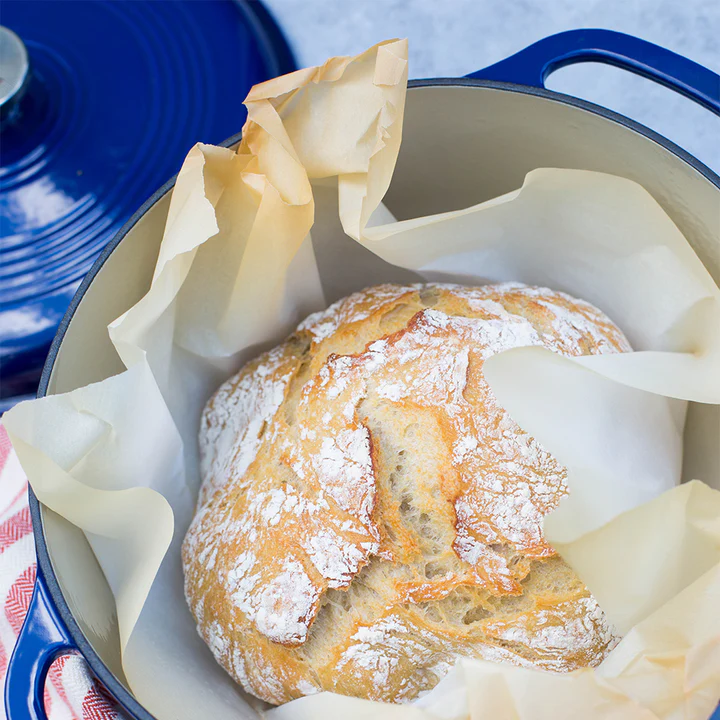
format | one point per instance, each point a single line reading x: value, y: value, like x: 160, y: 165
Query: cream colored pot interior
x: 491, y: 139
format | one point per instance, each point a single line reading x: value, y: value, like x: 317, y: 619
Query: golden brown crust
x: 369, y: 513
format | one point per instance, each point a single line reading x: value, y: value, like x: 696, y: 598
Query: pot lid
x: 99, y: 103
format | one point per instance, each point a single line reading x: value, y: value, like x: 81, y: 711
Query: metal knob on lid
x: 14, y: 72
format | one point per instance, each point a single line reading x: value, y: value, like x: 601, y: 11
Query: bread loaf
x: 368, y: 512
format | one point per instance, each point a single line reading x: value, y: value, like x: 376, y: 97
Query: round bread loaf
x: 369, y: 514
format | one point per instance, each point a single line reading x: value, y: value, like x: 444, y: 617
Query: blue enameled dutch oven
x: 99, y: 104
x: 498, y: 124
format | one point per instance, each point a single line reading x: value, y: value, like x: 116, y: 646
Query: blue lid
x: 116, y: 95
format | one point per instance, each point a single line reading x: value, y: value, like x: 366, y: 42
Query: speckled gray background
x: 455, y: 37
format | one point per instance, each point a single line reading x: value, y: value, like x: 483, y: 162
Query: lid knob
x: 14, y: 71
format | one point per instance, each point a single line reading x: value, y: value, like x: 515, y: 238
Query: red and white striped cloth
x: 70, y: 691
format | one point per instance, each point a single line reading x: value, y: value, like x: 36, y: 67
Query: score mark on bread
x: 369, y: 513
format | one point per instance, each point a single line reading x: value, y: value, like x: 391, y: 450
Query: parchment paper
x: 239, y: 267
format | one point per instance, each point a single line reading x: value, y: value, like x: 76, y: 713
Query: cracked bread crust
x: 369, y: 514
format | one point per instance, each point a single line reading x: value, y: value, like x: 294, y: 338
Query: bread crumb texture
x: 369, y: 513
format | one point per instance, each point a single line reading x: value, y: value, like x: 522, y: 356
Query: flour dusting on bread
x: 370, y: 513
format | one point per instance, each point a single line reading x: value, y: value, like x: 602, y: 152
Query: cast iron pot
x: 500, y: 123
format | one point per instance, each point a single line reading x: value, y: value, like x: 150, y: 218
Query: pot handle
x: 532, y: 65
x: 42, y: 639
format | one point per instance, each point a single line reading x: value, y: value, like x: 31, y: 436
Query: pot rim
x: 114, y: 686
